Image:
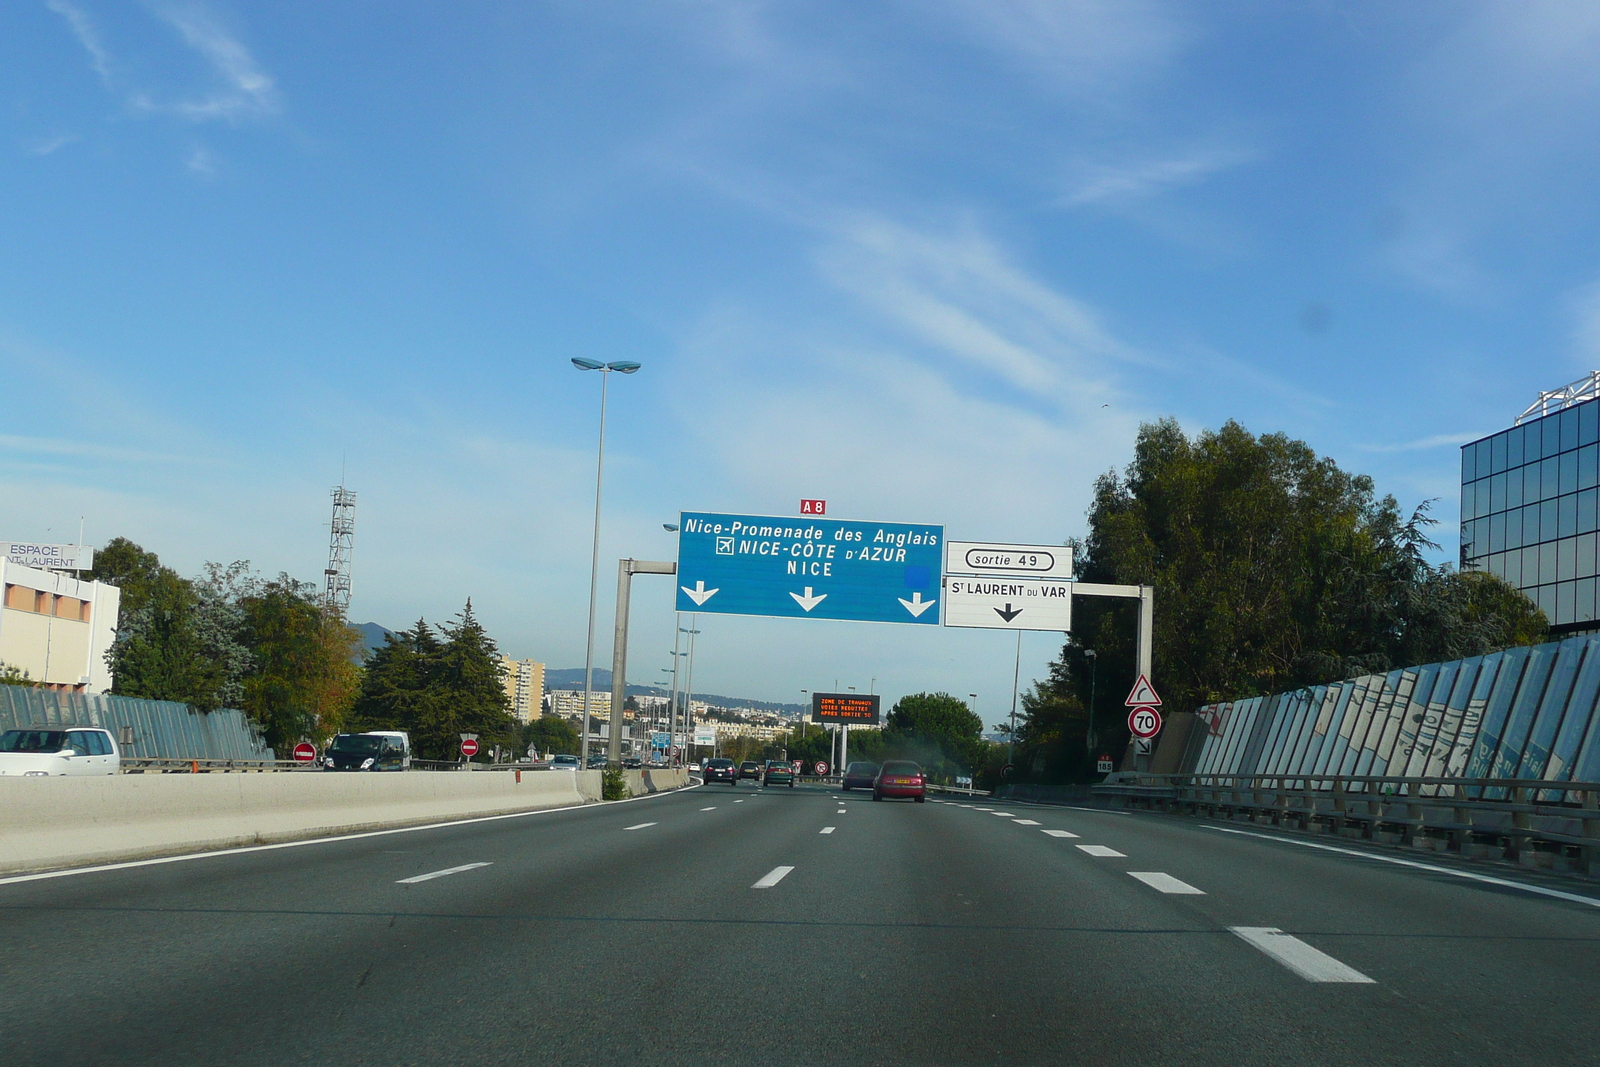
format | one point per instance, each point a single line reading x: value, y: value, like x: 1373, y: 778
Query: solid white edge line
x: 185, y: 857
x: 772, y: 878
x: 639, y: 826
x: 1435, y: 868
x: 431, y: 875
x: 1163, y: 882
x: 826, y: 830
x: 1309, y: 963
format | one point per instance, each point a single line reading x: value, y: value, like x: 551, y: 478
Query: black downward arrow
x: 1008, y: 614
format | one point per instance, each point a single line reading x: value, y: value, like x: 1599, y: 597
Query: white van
x: 45, y: 751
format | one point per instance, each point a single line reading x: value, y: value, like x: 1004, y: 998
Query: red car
x: 900, y: 778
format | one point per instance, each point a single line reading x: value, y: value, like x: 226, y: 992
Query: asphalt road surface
x: 724, y: 925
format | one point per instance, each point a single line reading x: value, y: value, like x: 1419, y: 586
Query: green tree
x: 131, y: 569
x: 304, y: 679
x: 10, y: 675
x: 1273, y: 568
x: 176, y: 639
x: 551, y: 734
x: 437, y: 690
x: 398, y: 688
x: 935, y: 729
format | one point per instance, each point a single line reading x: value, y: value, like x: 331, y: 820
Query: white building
x: 57, y: 628
x: 568, y: 703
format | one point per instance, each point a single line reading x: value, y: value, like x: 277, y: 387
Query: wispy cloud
x: 1586, y: 313
x: 51, y: 446
x: 1438, y: 440
x: 246, y: 91
x: 1088, y: 47
x: 201, y: 162
x: 1139, y: 180
x: 87, y: 33
x: 243, y: 89
x: 48, y: 145
x: 961, y: 295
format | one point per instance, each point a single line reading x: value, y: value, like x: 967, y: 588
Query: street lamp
x: 624, y: 366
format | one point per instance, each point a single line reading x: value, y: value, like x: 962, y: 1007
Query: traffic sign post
x: 811, y: 568
x: 1144, y: 722
x: 305, y: 752
x: 1142, y: 694
x: 1103, y: 764
x: 1008, y: 603
x: 1008, y: 560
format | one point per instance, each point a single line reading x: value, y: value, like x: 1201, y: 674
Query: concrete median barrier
x: 69, y: 822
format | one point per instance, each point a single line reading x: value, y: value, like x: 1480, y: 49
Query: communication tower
x: 341, y: 542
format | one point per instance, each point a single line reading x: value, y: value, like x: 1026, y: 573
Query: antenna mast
x: 341, y: 542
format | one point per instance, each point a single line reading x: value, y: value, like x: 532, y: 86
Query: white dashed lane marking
x: 711, y: 808
x: 1311, y: 964
x: 772, y: 878
x: 1103, y: 851
x: 1026, y: 822
x: 639, y: 826
x: 826, y: 830
x: 1165, y: 882
x: 1003, y: 814
x: 1059, y: 833
x: 431, y: 875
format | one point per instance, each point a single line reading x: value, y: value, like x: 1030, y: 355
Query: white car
x: 563, y: 763
x: 41, y: 752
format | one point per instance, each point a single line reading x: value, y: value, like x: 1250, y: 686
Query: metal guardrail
x: 142, y: 765
x: 1524, y: 819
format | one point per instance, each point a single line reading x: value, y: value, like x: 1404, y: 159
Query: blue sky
x: 932, y: 261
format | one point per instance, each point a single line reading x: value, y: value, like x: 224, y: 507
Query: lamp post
x: 1088, y: 733
x: 624, y: 366
x: 688, y: 696
x: 677, y: 628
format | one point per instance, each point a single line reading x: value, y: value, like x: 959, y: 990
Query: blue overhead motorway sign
x: 809, y: 568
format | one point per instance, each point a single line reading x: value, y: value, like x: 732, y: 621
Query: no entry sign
x: 1144, y: 722
x: 305, y: 752
x: 469, y: 747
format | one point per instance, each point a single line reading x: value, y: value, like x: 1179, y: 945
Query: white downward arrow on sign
x: 808, y: 601
x: 916, y: 605
x: 699, y: 594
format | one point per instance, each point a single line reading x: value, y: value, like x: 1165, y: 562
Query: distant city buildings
x: 524, y: 682
x: 568, y: 703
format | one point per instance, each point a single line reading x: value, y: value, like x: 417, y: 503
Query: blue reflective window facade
x: 1530, y: 509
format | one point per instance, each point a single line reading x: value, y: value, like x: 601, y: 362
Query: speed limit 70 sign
x: 1144, y: 722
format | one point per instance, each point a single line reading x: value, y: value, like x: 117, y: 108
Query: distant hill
x: 372, y: 639
x: 572, y: 678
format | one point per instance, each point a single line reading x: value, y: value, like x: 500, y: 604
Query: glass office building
x: 1528, y: 503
